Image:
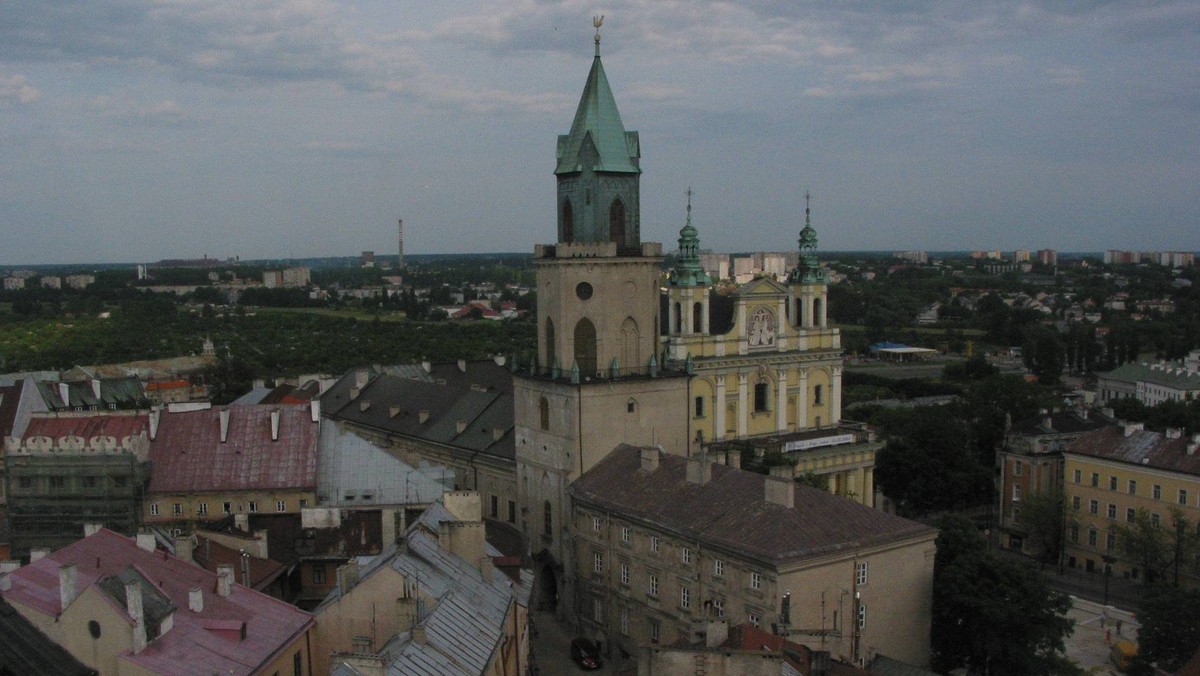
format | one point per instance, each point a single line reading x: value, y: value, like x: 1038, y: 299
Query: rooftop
x: 1137, y: 446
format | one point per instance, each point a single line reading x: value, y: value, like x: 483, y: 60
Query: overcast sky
x: 134, y: 130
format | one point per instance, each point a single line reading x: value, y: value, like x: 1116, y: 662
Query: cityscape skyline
x: 305, y: 129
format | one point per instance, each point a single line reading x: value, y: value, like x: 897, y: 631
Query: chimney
x: 423, y: 416
x: 154, y: 418
x: 649, y: 459
x: 364, y: 405
x: 360, y: 379
x: 90, y: 529
x: 196, y: 600
x: 462, y: 365
x: 64, y: 393
x: 133, y: 604
x: 418, y: 634
x: 275, y: 425
x: 444, y: 536
x: 354, y: 392
x: 1174, y: 433
x: 68, y: 578
x: 224, y: 416
x: 699, y: 470
x: 241, y: 521
x: 1130, y: 428
x: 1191, y: 448
x: 780, y: 491
x: 347, y: 576
x: 314, y: 410
x: 95, y: 383
x: 38, y: 553
x: 784, y: 472
x: 183, y: 547
x: 499, y: 359
x: 145, y: 541
x: 224, y: 580
x: 487, y: 568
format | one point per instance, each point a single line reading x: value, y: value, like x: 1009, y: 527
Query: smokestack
x: 224, y: 417
x: 224, y: 580
x: 133, y: 605
x: 68, y: 577
x: 275, y: 425
x: 196, y: 600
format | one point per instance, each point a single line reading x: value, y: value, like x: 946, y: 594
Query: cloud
x: 165, y: 112
x: 16, y: 89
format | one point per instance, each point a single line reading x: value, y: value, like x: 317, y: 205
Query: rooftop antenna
x: 598, y: 21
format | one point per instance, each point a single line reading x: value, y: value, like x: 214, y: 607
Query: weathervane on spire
x: 598, y: 21
x: 807, y: 196
x: 689, y: 196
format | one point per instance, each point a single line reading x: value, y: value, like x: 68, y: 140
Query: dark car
x: 586, y: 654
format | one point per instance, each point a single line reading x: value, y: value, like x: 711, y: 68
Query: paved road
x: 551, y: 649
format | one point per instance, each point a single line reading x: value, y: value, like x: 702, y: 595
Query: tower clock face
x: 583, y: 290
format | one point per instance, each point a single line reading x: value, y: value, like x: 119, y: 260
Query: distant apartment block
x: 993, y: 255
x: 79, y: 281
x: 14, y: 283
x: 51, y: 282
x: 1047, y: 256
x: 921, y: 257
x: 288, y: 278
x: 1172, y: 259
x: 368, y: 259
x: 1022, y: 256
x: 715, y: 265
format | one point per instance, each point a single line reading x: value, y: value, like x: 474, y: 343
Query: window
x: 1112, y: 483
x: 655, y: 630
x: 756, y: 580
x: 596, y: 523
x: 597, y: 609
x: 154, y: 509
x: 318, y: 573
x: 253, y: 505
x: 597, y: 562
x: 1154, y: 518
x: 25, y: 482
x: 495, y: 506
x: 686, y: 555
x: 1130, y: 514
x: 760, y: 397
x: 1075, y: 502
x: 624, y: 533
x: 280, y: 505
x: 1110, y: 541
x: 202, y: 508
x: 625, y: 574
x: 1094, y: 506
x: 860, y: 574
x: 547, y: 520
x: 754, y: 619
x: 718, y: 567
x: 631, y: 406
x: 1092, y: 537
x: 624, y: 621
x: 1016, y: 496
x: 512, y: 511
x: 58, y: 482
x: 1182, y: 496
x: 718, y: 607
x: 1157, y: 492
x: 699, y: 407
x: 1112, y: 511
x: 1017, y: 468
x: 817, y: 395
x: 297, y: 665
x: 1095, y: 478
x: 226, y: 507
x: 685, y: 598
x: 544, y: 412
x: 862, y: 615
x: 177, y: 509
x: 1078, y: 476
x: 1132, y: 487
x: 652, y: 589
x: 653, y: 544
x: 1074, y: 532
x: 303, y: 503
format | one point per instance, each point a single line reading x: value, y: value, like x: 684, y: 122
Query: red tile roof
x: 191, y: 646
x: 189, y: 456
x: 210, y: 554
x: 117, y: 426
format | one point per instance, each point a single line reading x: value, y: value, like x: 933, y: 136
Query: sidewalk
x: 1097, y: 627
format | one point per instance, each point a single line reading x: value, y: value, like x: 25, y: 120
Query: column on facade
x: 685, y: 313
x: 704, y: 310
x: 806, y: 310
x: 781, y: 402
x: 835, y: 395
x: 802, y: 401
x: 781, y: 315
x: 835, y: 478
x: 868, y: 497
x: 719, y: 409
x: 741, y: 324
x: 743, y: 398
x: 824, y: 307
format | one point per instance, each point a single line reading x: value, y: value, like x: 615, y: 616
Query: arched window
x: 631, y: 405
x: 544, y: 412
x: 798, y: 315
x: 549, y: 344
x: 568, y: 222
x: 761, y: 389
x: 630, y: 350
x: 585, y: 347
x: 678, y: 318
x: 816, y: 319
x: 547, y: 519
x: 818, y: 391
x: 697, y: 318
x: 616, y: 222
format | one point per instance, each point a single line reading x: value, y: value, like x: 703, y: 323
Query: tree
x: 928, y: 466
x: 1044, y: 354
x: 993, y: 615
x: 1170, y: 630
x: 1157, y: 550
x: 1043, y: 515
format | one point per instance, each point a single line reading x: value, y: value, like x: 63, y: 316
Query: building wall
x: 377, y: 608
x: 1155, y: 490
x: 71, y: 631
x: 210, y: 506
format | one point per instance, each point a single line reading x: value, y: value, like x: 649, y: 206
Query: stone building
x: 665, y: 543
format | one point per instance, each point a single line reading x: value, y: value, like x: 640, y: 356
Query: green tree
x: 993, y: 615
x: 1170, y: 628
x: 928, y: 466
x: 1043, y: 515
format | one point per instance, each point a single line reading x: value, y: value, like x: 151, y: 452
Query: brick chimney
x: 224, y: 580
x: 196, y: 600
x: 699, y: 469
x: 649, y: 459
x: 68, y: 584
x: 780, y: 491
x: 133, y: 605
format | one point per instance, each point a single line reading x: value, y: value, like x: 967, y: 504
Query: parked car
x: 586, y: 654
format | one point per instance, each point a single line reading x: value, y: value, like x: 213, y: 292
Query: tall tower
x: 596, y: 381
x: 400, y: 240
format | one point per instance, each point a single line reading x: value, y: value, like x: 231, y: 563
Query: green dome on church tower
x: 688, y: 271
x: 809, y: 270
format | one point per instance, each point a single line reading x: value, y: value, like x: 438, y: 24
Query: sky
x: 136, y: 130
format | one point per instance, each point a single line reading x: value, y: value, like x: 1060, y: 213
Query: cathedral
x: 628, y: 355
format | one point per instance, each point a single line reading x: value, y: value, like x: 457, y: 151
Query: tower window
x: 697, y: 318
x: 817, y: 392
x: 631, y: 406
x: 550, y: 356
x: 616, y: 221
x: 699, y: 407
x: 568, y: 222
x: 544, y: 412
x: 547, y: 519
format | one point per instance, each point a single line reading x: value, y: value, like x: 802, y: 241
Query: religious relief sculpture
x: 762, y: 328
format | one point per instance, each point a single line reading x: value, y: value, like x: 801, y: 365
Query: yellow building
x: 1113, y: 473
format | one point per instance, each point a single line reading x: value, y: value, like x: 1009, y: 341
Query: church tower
x: 597, y: 380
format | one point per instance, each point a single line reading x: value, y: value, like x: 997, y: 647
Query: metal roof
x: 598, y: 122
x: 88, y: 427
x: 352, y: 465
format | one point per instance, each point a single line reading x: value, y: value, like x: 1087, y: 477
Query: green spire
x: 598, y: 121
x: 808, y: 271
x: 687, y: 270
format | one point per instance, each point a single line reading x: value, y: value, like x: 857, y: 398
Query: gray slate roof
x: 347, y: 463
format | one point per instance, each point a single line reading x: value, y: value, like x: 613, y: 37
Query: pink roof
x: 198, y: 642
x: 189, y: 456
x: 118, y: 426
